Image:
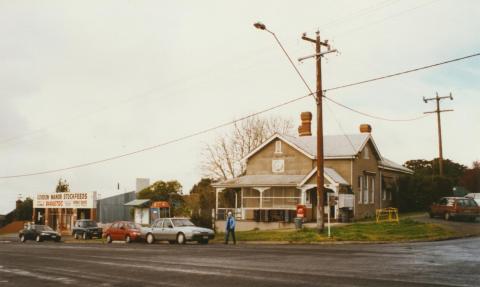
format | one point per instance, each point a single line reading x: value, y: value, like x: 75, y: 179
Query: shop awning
x: 138, y: 203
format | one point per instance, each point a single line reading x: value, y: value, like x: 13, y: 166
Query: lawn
x: 406, y: 230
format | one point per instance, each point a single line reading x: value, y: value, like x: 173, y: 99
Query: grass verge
x: 406, y: 230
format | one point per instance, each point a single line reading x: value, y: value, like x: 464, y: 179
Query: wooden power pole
x: 318, y: 97
x: 439, y: 125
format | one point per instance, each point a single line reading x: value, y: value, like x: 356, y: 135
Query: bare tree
x: 222, y: 159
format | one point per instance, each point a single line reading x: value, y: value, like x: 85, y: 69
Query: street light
x: 260, y: 26
x: 318, y: 99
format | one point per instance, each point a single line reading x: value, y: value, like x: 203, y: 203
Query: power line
x: 346, y: 32
x: 374, y: 116
x: 401, y: 73
x: 232, y: 122
x: 158, y: 145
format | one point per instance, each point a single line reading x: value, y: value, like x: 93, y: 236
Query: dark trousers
x: 227, y: 235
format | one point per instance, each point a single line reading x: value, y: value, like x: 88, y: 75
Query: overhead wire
x: 400, y: 73
x: 373, y: 116
x: 231, y: 122
x: 158, y: 145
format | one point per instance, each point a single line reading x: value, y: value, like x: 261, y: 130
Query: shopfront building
x: 61, y: 210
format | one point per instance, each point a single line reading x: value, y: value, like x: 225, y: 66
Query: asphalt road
x: 445, y: 263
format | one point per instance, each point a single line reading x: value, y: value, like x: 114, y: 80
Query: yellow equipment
x: 389, y: 214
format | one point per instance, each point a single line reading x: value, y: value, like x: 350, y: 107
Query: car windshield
x: 88, y: 224
x: 43, y: 228
x: 182, y: 222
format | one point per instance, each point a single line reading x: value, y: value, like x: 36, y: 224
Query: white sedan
x: 474, y: 196
x: 176, y: 230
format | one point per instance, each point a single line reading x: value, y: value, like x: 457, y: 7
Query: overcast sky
x: 86, y: 80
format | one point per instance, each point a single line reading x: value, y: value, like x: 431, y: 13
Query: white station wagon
x: 176, y: 230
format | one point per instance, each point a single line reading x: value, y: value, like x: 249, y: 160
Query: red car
x: 124, y: 231
x: 455, y: 207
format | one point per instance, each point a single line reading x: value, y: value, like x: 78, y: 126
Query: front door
x: 313, y: 201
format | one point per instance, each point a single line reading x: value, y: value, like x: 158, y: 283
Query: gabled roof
x: 334, y: 146
x: 331, y: 175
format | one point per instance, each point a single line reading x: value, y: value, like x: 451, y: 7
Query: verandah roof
x: 268, y: 180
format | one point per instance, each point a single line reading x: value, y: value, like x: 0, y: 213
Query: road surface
x: 443, y: 263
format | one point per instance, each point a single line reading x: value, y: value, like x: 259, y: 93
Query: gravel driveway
x: 462, y: 228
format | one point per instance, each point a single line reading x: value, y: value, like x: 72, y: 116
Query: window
x: 366, y: 190
x: 372, y: 189
x: 360, y: 189
x: 278, y: 147
x: 159, y: 224
x: 167, y: 224
x: 366, y: 153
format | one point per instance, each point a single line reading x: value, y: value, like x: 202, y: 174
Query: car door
x: 115, y: 230
x: 441, y: 206
x: 168, y: 230
x: 29, y: 231
x: 122, y: 231
x: 157, y: 230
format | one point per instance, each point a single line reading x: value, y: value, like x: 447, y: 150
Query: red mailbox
x: 301, y: 211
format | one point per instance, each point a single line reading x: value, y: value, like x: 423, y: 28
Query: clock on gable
x: 278, y: 165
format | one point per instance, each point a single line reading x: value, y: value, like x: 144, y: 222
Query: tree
x: 471, y: 178
x: 222, y: 158
x: 431, y: 167
x: 25, y: 210
x: 201, y: 201
x: 170, y: 191
x: 62, y: 186
x: 418, y: 191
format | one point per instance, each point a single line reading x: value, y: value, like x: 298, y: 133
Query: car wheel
x: 58, y: 239
x: 181, y: 238
x: 447, y: 216
x: 84, y: 236
x: 128, y: 239
x: 22, y: 238
x: 150, y: 238
x: 38, y: 238
x: 203, y: 241
x: 75, y: 235
x: 109, y: 239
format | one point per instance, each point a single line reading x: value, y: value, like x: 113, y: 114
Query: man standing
x: 230, y: 228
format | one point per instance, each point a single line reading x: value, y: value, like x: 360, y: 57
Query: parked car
x: 38, y: 233
x: 123, y: 230
x: 176, y: 230
x: 86, y: 229
x: 455, y: 207
x: 474, y: 196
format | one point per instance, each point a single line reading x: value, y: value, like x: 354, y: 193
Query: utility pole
x: 439, y: 124
x: 318, y: 98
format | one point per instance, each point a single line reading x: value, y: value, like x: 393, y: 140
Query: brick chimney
x: 365, y: 128
x: 305, y: 128
x: 18, y: 203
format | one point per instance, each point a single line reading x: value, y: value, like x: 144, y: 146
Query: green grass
x: 406, y: 230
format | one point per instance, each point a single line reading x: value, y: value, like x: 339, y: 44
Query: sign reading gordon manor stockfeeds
x: 65, y: 200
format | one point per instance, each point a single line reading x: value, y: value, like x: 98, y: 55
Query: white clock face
x: 278, y: 165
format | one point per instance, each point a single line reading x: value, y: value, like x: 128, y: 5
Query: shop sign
x: 65, y: 200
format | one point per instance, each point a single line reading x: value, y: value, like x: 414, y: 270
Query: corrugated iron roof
x: 138, y: 202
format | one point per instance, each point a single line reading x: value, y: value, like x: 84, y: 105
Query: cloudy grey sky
x: 86, y: 80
